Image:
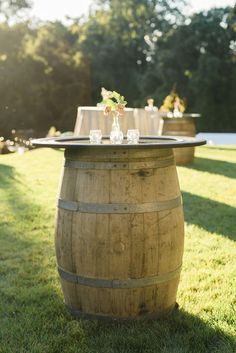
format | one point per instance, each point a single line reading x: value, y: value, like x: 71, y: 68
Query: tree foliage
x: 200, y: 58
x: 43, y: 79
x: 140, y: 49
x: 13, y: 8
x: 122, y: 36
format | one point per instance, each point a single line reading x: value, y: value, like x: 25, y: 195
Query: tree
x: 43, y: 78
x: 199, y: 58
x: 140, y: 49
x: 13, y: 8
x: 117, y: 41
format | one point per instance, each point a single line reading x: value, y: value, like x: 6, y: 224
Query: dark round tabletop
x: 144, y: 142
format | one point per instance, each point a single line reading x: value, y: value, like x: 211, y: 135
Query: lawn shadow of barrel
x: 213, y: 216
x: 181, y: 332
x: 214, y: 166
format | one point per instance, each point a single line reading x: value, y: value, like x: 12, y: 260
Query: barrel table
x: 120, y: 227
x: 181, y: 126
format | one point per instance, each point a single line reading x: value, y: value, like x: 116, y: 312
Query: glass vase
x: 116, y: 135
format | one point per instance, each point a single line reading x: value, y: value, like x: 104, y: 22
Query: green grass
x: 32, y: 315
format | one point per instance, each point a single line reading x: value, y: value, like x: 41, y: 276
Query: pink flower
x: 107, y: 110
x: 120, y: 109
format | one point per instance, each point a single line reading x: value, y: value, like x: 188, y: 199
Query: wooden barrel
x: 120, y: 232
x: 181, y: 127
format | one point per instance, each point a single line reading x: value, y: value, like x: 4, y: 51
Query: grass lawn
x: 32, y: 315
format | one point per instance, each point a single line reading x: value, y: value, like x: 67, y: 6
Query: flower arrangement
x: 173, y: 103
x: 113, y: 102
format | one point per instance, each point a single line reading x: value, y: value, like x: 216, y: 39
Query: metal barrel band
x: 118, y: 283
x: 83, y: 207
x: 69, y: 163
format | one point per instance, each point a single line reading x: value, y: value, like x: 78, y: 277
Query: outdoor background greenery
x: 140, y: 49
x: 32, y: 314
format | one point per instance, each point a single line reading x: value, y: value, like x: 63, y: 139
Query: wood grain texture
x: 181, y: 127
x: 117, y: 246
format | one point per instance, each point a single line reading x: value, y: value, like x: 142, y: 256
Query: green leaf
x: 117, y: 96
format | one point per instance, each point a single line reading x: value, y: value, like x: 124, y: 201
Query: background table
x: 91, y: 118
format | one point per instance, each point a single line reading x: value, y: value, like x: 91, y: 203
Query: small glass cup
x: 133, y: 136
x: 116, y: 137
x: 95, y: 136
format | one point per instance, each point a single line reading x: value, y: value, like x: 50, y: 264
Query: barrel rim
x: 179, y: 118
x: 145, y: 142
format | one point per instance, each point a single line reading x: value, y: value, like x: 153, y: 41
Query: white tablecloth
x: 91, y: 118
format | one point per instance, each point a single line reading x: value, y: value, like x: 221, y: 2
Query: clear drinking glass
x: 95, y: 136
x: 133, y: 136
x: 116, y: 136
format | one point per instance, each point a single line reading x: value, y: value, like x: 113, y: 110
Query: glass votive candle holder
x: 133, y: 136
x: 95, y: 136
x: 116, y: 137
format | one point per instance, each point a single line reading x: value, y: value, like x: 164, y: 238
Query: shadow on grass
x: 33, y: 318
x: 179, y: 333
x: 214, y: 166
x: 7, y: 176
x: 213, y: 216
x: 28, y: 291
